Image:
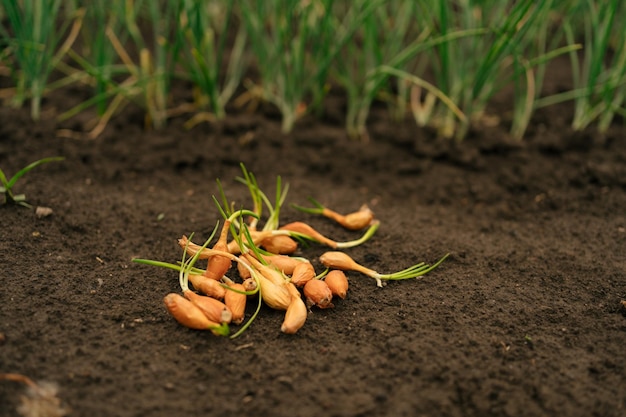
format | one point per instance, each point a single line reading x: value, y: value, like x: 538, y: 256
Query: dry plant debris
x: 40, y: 399
x: 266, y: 266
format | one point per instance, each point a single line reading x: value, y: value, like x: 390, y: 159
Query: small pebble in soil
x: 43, y: 211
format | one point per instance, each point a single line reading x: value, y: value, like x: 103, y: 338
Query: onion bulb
x: 337, y: 282
x: 305, y: 229
x: 187, y: 314
x: 280, y: 244
x: 242, y: 268
x: 352, y: 221
x: 296, y: 314
x: 236, y: 302
x: 274, y: 295
x: 207, y: 286
x: 214, y: 309
x: 218, y: 264
x: 342, y: 261
x: 339, y: 260
x: 259, y: 237
x: 318, y: 294
x: 285, y: 264
x: 302, y: 273
x: 267, y: 271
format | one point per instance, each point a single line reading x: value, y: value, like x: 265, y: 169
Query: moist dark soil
x: 523, y: 319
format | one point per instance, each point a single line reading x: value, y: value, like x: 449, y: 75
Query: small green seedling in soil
x: 7, y: 185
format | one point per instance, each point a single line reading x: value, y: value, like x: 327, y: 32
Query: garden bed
x: 523, y: 319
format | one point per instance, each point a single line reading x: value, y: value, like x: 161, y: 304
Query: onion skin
x: 236, y: 302
x: 215, y: 310
x: 207, y: 286
x: 318, y: 294
x: 186, y: 313
x: 337, y: 282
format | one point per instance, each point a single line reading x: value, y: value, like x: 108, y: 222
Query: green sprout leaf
x: 7, y: 184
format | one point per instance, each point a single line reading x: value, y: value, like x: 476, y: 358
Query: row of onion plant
x: 442, y: 63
